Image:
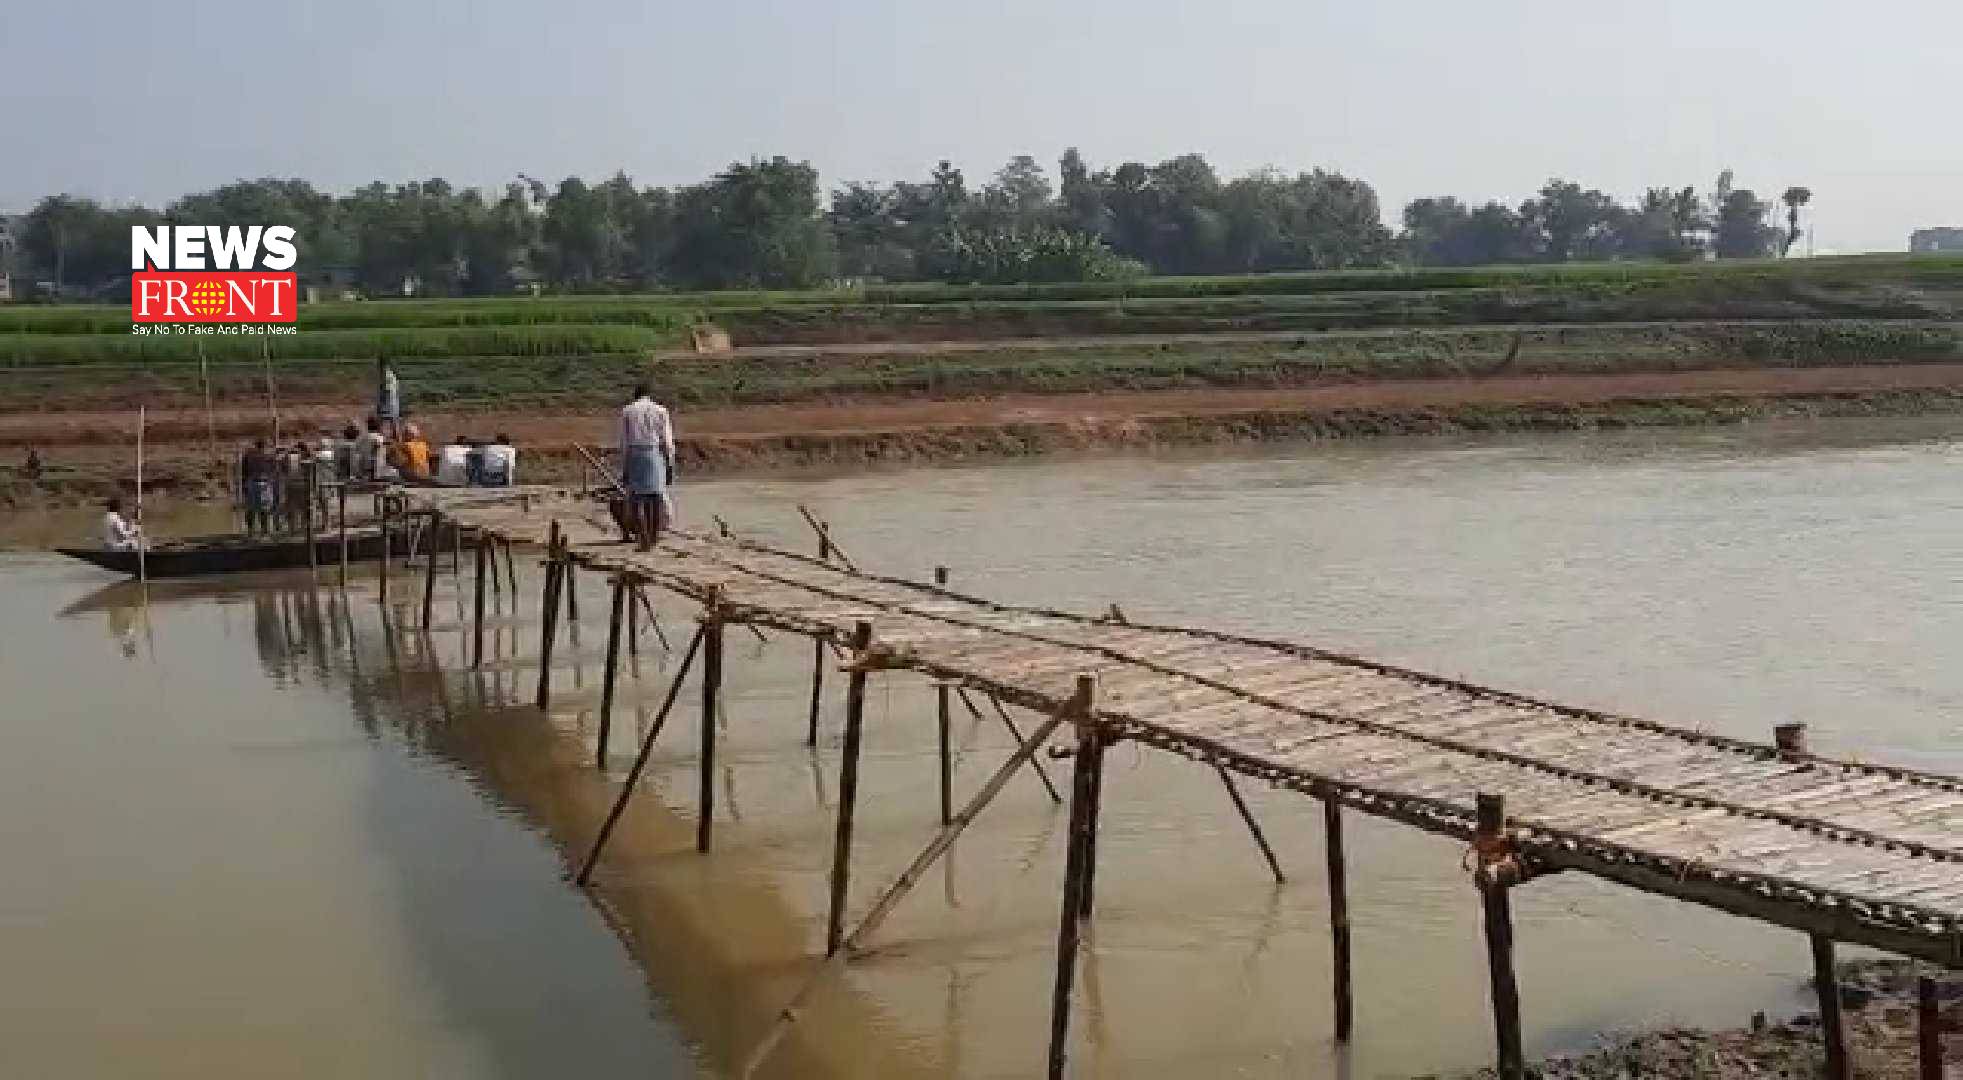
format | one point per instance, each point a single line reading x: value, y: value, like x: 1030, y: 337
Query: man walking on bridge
x: 647, y: 463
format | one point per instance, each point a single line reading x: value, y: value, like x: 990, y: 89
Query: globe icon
x: 207, y: 298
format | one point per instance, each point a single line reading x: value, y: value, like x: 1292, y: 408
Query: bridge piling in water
x: 1560, y: 788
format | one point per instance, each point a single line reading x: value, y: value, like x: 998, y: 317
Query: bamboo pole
x: 711, y: 689
x: 313, y: 531
x: 848, y: 786
x: 456, y: 550
x: 620, y: 588
x: 894, y: 893
x: 654, y: 623
x: 1833, y: 1026
x: 941, y: 690
x: 510, y: 573
x: 1929, y: 1030
x: 568, y: 584
x: 210, y: 424
x: 549, y: 622
x: 477, y: 650
x: 272, y: 396
x: 344, y: 532
x: 1016, y: 733
x: 824, y: 531
x: 142, y: 537
x: 429, y: 574
x: 1089, y: 888
x: 634, y: 626
x: 1083, y: 815
x: 1498, y: 913
x: 817, y: 658
x: 388, y: 518
x: 1339, y: 916
x: 641, y: 759
x: 1253, y: 826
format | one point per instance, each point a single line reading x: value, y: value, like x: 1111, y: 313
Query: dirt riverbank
x: 1878, y: 996
x: 92, y: 453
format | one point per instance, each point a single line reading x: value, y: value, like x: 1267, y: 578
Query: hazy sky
x: 1862, y: 102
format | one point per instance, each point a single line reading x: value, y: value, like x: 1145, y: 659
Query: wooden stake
x: 549, y: 623
x: 890, y: 899
x: 1015, y: 732
x: 712, y: 621
x: 567, y: 583
x: 1499, y: 944
x: 477, y: 640
x: 1833, y: 1026
x: 388, y: 508
x: 641, y: 759
x: 1929, y: 1029
x: 344, y: 532
x: 941, y: 721
x: 313, y: 531
x: 1339, y: 915
x: 429, y: 573
x: 848, y: 786
x: 1083, y: 810
x: 612, y: 669
x: 142, y: 538
x: 817, y: 659
x: 1253, y: 826
x: 510, y: 574
x: 1089, y: 887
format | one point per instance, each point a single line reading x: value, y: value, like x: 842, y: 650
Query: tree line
x: 769, y: 224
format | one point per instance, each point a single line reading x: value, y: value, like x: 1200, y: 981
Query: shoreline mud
x: 89, y: 456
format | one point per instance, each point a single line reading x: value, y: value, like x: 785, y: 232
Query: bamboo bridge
x: 1840, y: 851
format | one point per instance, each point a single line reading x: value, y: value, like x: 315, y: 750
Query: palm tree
x: 1794, y: 198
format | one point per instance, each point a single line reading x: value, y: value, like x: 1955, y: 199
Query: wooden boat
x: 230, y: 554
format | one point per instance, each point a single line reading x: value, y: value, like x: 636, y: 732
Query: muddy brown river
x: 256, y: 826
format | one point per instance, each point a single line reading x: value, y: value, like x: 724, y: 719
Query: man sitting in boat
x: 117, y: 533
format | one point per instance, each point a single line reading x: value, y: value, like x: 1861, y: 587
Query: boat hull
x: 235, y: 555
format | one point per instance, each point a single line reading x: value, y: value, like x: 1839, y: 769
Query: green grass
x: 39, y: 350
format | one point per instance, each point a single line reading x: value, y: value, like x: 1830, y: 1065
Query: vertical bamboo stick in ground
x: 1083, y: 811
x: 620, y: 588
x: 1498, y: 915
x: 1339, y: 915
x: 848, y: 786
x: 941, y: 690
x: 712, y: 642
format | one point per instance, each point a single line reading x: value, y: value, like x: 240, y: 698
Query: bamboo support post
x: 549, y: 622
x: 817, y: 659
x: 344, y: 532
x: 1833, y: 1026
x: 313, y: 532
x: 894, y: 893
x: 456, y: 550
x: 712, y: 642
x: 941, y: 691
x: 824, y: 531
x: 510, y: 572
x: 429, y: 572
x: 848, y: 786
x: 477, y: 620
x: 388, y: 518
x: 640, y: 759
x: 568, y: 584
x: 620, y: 588
x: 1015, y: 732
x: 1339, y: 916
x: 1253, y: 826
x: 654, y: 623
x: 1790, y: 739
x: 1498, y: 913
x: 1929, y: 1030
x: 1083, y: 815
x: 633, y: 624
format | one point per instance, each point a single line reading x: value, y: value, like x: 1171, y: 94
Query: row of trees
x: 765, y: 224
x: 1566, y: 222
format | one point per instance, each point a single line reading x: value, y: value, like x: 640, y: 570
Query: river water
x: 249, y: 827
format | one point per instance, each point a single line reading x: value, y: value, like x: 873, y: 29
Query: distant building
x: 1950, y: 239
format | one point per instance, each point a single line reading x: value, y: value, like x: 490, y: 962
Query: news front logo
x: 212, y: 274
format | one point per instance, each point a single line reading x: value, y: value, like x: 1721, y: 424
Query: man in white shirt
x: 453, y: 463
x: 117, y: 533
x: 647, y: 463
x: 500, y: 463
